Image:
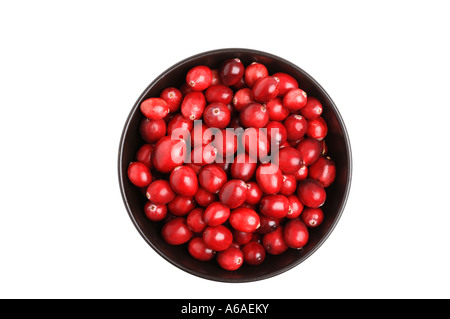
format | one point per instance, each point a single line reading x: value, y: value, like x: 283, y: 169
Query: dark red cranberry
x: 215, y: 77
x: 269, y: 178
x: 311, y: 193
x: 289, y: 160
x: 181, y: 205
x: 219, y: 94
x: 254, y: 72
x: 183, y: 181
x: 243, y: 167
x: 193, y: 105
x: 218, y: 237
x: 224, y: 163
x: 312, y: 217
x: 198, y: 249
x: 277, y: 111
x: 312, y: 109
x: 254, y: 253
x: 302, y: 173
x: 168, y: 154
x: 152, y: 130
x: 267, y: 224
x: 203, y: 155
x: 230, y: 259
x: 212, y: 178
x: 234, y: 193
x: 204, y: 198
x: 160, y: 192
x: 295, y: 234
x: 323, y: 170
x: 275, y: 206
x: 317, y: 128
x: 295, y: 99
x: 154, y: 108
x: 295, y: 207
x: 254, y: 115
x: 289, y: 185
x: 287, y: 82
x: 195, y: 220
x: 231, y: 71
x: 254, y: 193
x: 242, y: 98
x: 201, y: 134
x: 176, y: 231
x: 216, y: 214
x: 179, y: 126
x: 173, y: 98
x: 185, y: 89
x: 274, y: 242
x: 241, y: 237
x: 226, y: 143
x: 244, y: 219
x: 144, y: 155
x: 199, y: 77
x: 139, y: 174
x: 155, y: 212
x: 217, y: 115
x: 296, y: 127
x: 310, y: 150
x: 276, y: 133
x: 266, y: 89
x: 239, y: 84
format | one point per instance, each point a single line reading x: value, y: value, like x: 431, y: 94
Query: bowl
x: 338, y: 149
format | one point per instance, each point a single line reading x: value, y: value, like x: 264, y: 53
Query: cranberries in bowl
x: 234, y: 165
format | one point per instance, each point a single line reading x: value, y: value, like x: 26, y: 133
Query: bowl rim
x: 122, y: 174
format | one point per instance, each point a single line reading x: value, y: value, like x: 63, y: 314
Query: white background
x: 71, y: 71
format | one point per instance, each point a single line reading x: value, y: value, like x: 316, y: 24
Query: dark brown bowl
x: 338, y: 148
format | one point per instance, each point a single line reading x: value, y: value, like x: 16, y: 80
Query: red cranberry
x: 152, y: 130
x: 215, y: 77
x: 179, y: 126
x: 276, y: 133
x: 193, y: 105
x: 198, y: 249
x: 269, y: 178
x: 254, y: 72
x: 254, y: 115
x: 203, y: 155
x: 184, y: 181
x: 287, y: 83
x: 323, y: 170
x: 276, y: 206
x: 199, y: 77
x: 277, y: 111
x: 240, y: 84
x: 296, y: 126
x: 256, y: 143
x: 212, y: 178
x: 195, y: 167
x: 242, y: 98
x: 155, y: 212
x: 230, y: 259
x: 289, y: 185
x: 295, y: 99
x: 254, y: 193
x: 302, y: 173
x: 274, y: 242
x: 185, y: 89
x: 154, y: 108
x: 217, y: 115
x: 204, y: 198
x: 243, y: 167
x: 168, y: 154
x: 139, y: 174
x: 201, y: 135
x: 176, y: 231
x: 311, y: 193
x: 295, y: 207
x: 219, y: 94
x: 241, y: 237
x: 173, y: 98
x: 244, y: 219
x: 266, y: 89
x: 216, y: 214
x: 310, y: 150
x: 313, y: 109
x: 234, y: 193
x: 218, y: 237
x: 254, y: 253
x: 226, y: 143
x: 181, y: 205
x: 312, y: 217
x: 195, y: 220
x: 317, y: 128
x: 160, y: 192
x: 267, y: 224
x: 231, y: 71
x: 289, y: 160
x: 144, y: 155
x: 295, y: 234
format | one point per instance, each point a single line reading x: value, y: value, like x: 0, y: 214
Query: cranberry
x: 276, y: 206
x: 218, y: 237
x: 160, y: 192
x: 295, y: 99
x: 310, y: 150
x: 219, y: 94
x: 256, y: 143
x: 234, y: 193
x: 269, y: 178
x: 254, y: 72
x: 241, y: 237
x: 254, y: 115
x: 201, y: 135
x: 195, y: 220
x: 276, y: 133
x: 212, y: 178
x: 302, y: 173
x: 226, y: 143
x: 266, y: 89
x: 199, y: 77
x: 152, y: 130
x: 244, y: 219
x: 193, y: 105
x: 184, y: 181
x: 203, y: 155
x: 179, y: 126
x: 176, y: 231
x: 154, y: 108
x: 215, y: 77
x: 242, y: 98
x: 230, y: 259
x: 296, y: 126
x: 274, y: 242
x: 277, y: 111
x: 289, y: 160
x: 139, y: 174
x: 173, y: 98
x: 254, y: 193
x: 243, y: 167
x: 217, y: 115
x: 295, y: 207
x: 181, y: 205
x: 198, y: 249
x: 168, y: 154
x: 287, y: 83
x: 216, y: 214
x: 185, y: 89
x: 195, y: 167
x: 323, y: 170
x: 312, y: 217
x: 155, y: 212
x: 144, y: 155
x: 289, y: 185
x: 231, y: 71
x: 254, y: 253
x: 311, y: 193
x: 267, y: 224
x: 204, y: 198
x: 317, y: 128
x: 240, y: 84
x: 295, y: 234
x: 312, y: 109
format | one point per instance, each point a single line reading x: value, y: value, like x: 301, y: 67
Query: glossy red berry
x: 295, y: 207
x: 152, y: 130
x: 244, y: 219
x: 254, y: 253
x: 218, y: 237
x: 155, y: 212
x: 275, y: 206
x: 254, y: 72
x: 311, y: 193
x: 243, y: 167
x: 154, y: 108
x: 241, y: 237
x: 267, y: 224
x: 302, y: 173
x: 317, y: 128
x: 168, y: 154
x: 296, y: 127
x: 212, y: 178
x: 289, y: 160
x: 266, y: 89
x: 160, y: 192
x: 295, y: 99
x: 234, y: 193
x: 139, y: 174
x: 269, y: 178
x: 312, y: 217
x: 199, y: 77
x: 201, y: 134
x: 242, y: 98
x: 289, y: 185
x: 217, y: 115
x: 287, y: 83
x: 231, y: 259
x: 173, y: 98
x: 144, y: 155
x: 295, y: 234
x: 198, y: 249
x: 276, y: 133
x: 312, y: 109
x: 219, y: 94
x: 277, y: 111
x: 254, y: 115
x: 216, y: 214
x: 310, y: 150
x: 215, y: 77
x: 204, y: 198
x: 254, y: 193
x: 179, y: 126
x: 195, y: 220
x: 176, y: 231
x: 181, y: 205
x: 231, y: 71
x: 193, y: 105
x: 274, y: 242
x: 323, y: 170
x: 183, y: 181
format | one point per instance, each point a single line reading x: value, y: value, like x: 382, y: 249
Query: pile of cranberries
x: 234, y: 163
